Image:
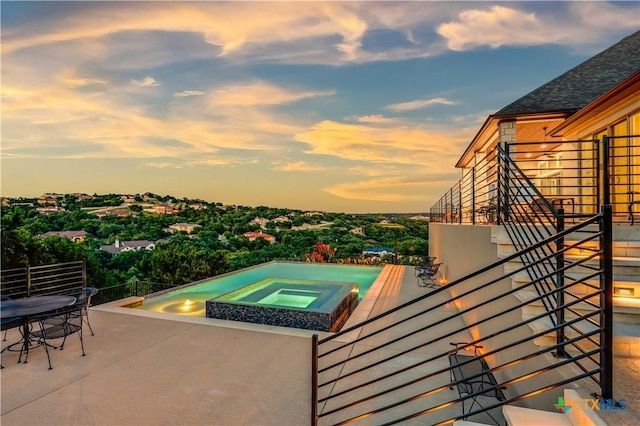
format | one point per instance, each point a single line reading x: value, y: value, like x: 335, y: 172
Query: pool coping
x: 360, y: 314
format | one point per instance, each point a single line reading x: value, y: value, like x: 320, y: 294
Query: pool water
x: 287, y: 302
x: 290, y: 298
x: 297, y: 294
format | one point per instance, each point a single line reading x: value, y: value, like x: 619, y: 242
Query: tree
x: 178, y: 262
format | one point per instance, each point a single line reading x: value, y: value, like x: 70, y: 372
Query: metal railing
x: 67, y: 278
x: 59, y: 278
x: 566, y: 175
x: 394, y: 366
x: 133, y: 288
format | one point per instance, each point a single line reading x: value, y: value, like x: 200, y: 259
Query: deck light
x: 623, y: 291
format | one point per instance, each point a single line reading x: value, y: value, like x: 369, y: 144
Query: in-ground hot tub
x: 307, y: 304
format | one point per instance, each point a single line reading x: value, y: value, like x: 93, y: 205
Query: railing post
x: 473, y: 195
x: 28, y: 281
x: 84, y: 274
x: 606, y: 303
x: 606, y: 185
x: 314, y: 380
x: 560, y: 320
x: 460, y: 202
x: 450, y: 205
x: 503, y: 180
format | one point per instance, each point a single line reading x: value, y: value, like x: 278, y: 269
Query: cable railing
x: 397, y: 366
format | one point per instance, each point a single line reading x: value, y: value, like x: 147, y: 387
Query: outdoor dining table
x: 27, y: 307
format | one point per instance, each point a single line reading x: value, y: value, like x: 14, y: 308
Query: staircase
x: 574, y: 257
x: 626, y: 278
x: 397, y: 367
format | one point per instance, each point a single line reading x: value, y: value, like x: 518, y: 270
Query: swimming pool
x: 298, y: 287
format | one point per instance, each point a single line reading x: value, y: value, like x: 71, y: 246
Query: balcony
x: 564, y: 175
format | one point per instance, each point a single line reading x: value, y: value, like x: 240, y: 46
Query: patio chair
x: 83, y: 301
x: 421, y: 269
x: 64, y: 323
x: 425, y: 278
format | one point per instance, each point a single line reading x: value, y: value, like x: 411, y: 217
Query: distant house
x: 54, y: 195
x: 164, y: 209
x: 260, y: 221
x: 81, y: 196
x: 120, y: 246
x: 377, y: 251
x: 75, y: 236
x: 49, y: 209
x: 119, y: 213
x: 253, y: 235
x: 48, y: 201
x: 358, y: 231
x: 183, y: 227
x: 281, y: 219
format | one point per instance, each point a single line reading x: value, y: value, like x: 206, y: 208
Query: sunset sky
x: 334, y: 106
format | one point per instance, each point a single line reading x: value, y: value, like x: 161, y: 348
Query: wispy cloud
x: 261, y: 93
x: 419, y: 104
x: 145, y: 82
x: 230, y: 161
x: 70, y: 79
x: 162, y: 165
x: 186, y: 93
x: 378, y: 119
x: 299, y: 166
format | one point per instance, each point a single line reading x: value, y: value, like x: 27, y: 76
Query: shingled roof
x: 583, y: 84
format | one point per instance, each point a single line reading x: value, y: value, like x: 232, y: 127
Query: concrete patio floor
x: 146, y: 369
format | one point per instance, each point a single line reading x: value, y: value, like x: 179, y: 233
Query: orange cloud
x: 385, y: 145
x: 411, y: 188
x: 299, y: 166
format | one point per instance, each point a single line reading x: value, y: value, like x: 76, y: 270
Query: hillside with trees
x: 216, y: 239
